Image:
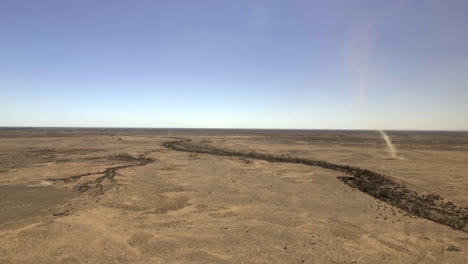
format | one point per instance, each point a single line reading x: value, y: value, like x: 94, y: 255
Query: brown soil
x: 431, y: 206
x: 120, y: 196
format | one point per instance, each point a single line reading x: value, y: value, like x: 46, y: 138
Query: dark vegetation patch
x: 62, y: 213
x: 30, y: 157
x: 431, y: 207
x: 45, y: 151
x: 245, y: 160
x: 108, y: 173
x: 453, y: 248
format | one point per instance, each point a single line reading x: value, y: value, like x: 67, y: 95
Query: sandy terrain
x: 120, y: 196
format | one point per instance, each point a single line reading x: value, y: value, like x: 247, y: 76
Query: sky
x: 374, y: 64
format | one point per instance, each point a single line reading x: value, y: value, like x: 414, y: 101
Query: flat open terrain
x: 121, y: 196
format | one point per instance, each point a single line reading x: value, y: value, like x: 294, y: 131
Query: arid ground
x: 126, y: 196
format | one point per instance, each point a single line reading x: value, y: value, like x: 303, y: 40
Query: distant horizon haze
x: 232, y: 128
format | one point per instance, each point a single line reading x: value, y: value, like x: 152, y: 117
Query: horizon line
x: 222, y: 128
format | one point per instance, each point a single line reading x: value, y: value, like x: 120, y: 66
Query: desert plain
x: 122, y: 196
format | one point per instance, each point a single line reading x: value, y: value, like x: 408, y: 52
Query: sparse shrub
x: 415, y: 208
x: 453, y: 248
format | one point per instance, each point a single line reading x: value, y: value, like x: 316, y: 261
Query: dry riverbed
x: 121, y: 196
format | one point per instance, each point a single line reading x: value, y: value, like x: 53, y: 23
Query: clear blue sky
x: 235, y: 64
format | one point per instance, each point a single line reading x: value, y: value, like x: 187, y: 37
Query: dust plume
x: 391, y: 148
